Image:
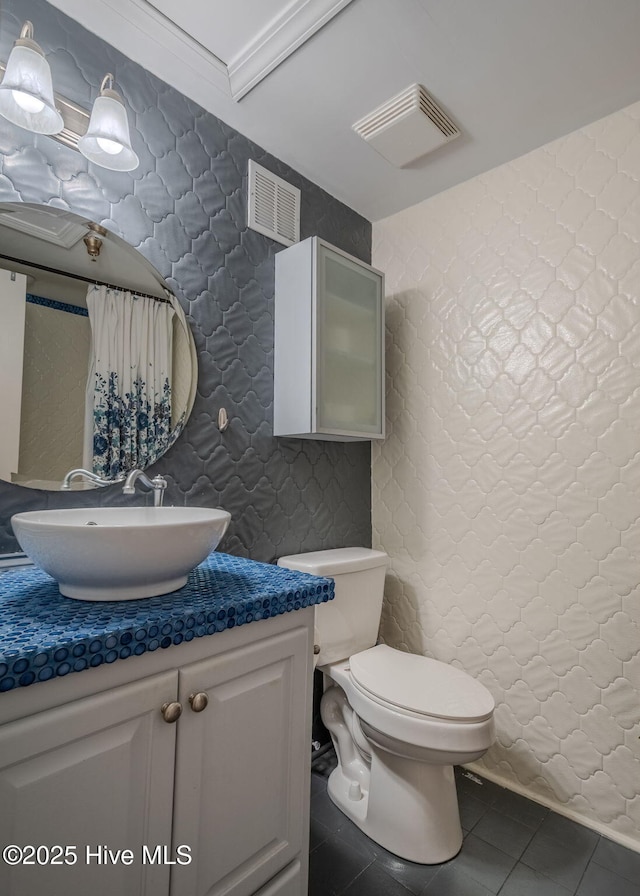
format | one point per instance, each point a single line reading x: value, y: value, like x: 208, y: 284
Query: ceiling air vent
x: 274, y: 206
x: 407, y: 127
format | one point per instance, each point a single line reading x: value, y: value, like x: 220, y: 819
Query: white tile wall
x: 508, y: 490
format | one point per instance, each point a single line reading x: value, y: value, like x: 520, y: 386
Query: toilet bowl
x: 398, y: 722
x: 395, y: 775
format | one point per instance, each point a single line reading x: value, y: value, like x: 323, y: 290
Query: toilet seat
x: 460, y: 740
x: 420, y: 686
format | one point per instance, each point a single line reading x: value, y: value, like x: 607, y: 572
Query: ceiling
x: 294, y: 76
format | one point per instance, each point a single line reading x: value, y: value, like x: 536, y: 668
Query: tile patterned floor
x: 512, y: 847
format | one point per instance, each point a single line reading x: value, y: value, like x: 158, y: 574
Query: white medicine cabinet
x: 329, y: 345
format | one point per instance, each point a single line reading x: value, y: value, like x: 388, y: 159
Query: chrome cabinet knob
x: 198, y: 701
x: 171, y: 712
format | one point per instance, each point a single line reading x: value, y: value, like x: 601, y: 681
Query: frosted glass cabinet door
x: 348, y: 346
x: 329, y: 345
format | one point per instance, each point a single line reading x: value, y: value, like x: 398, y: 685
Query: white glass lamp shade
x: 26, y: 92
x: 107, y: 141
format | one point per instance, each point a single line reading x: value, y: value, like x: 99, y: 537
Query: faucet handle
x: 158, y: 484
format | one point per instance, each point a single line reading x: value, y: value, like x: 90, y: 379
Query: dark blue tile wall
x: 184, y: 208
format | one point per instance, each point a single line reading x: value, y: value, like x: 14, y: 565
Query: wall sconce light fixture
x: 27, y: 99
x: 107, y: 141
x: 26, y: 92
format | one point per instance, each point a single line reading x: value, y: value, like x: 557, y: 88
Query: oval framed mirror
x: 56, y: 269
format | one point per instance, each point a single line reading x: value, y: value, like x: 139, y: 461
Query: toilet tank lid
x: 335, y: 562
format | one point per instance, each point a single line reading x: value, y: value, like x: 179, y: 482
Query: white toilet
x: 399, y: 722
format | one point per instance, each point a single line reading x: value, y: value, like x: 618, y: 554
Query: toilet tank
x: 350, y: 622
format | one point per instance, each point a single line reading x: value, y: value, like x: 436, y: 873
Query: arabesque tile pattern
x: 508, y: 490
x: 184, y: 209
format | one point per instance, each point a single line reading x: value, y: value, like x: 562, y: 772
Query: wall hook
x: 223, y: 419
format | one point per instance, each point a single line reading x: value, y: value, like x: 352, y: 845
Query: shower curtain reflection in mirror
x: 128, y: 401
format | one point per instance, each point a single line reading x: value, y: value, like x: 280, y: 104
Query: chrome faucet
x: 86, y: 474
x: 158, y: 484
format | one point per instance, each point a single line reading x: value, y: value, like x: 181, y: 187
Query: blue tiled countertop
x: 44, y: 635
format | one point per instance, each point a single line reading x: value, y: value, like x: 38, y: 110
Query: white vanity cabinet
x: 89, y: 761
x: 329, y: 345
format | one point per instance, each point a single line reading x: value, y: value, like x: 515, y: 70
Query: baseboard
x: 600, y: 828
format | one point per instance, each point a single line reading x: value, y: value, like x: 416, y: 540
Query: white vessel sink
x: 119, y: 553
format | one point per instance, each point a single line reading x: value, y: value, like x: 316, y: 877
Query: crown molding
x: 145, y: 34
x: 285, y: 34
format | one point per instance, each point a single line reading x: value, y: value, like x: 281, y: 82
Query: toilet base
x: 409, y: 807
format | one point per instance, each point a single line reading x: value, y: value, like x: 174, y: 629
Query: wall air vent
x: 407, y: 127
x: 274, y: 206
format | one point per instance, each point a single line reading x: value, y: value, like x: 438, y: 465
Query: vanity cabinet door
x: 242, y: 768
x: 97, y: 772
x: 287, y: 883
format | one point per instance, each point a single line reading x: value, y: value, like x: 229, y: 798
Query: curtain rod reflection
x: 43, y: 267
